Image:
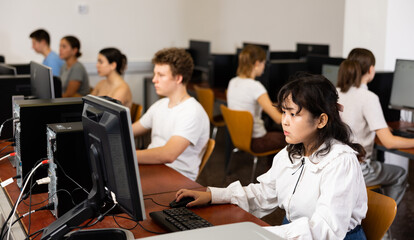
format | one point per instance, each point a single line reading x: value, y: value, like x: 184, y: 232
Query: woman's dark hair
x: 74, y: 43
x: 349, y: 75
x: 318, y: 95
x: 114, y: 55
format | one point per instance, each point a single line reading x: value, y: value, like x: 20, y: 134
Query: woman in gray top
x: 75, y: 81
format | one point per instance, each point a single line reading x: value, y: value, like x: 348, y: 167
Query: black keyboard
x: 403, y: 133
x: 178, y: 219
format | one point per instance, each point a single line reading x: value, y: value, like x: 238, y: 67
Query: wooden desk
x: 215, y: 214
x: 406, y: 152
x: 159, y: 183
x: 159, y: 178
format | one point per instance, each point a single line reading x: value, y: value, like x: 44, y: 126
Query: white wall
x: 141, y: 27
x: 365, y: 26
x: 400, y: 34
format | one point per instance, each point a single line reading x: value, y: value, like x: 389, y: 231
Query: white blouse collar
x: 315, y: 163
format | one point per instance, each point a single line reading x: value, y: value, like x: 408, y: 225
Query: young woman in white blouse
x: 317, y: 178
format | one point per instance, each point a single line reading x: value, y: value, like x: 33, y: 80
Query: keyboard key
x: 179, y: 219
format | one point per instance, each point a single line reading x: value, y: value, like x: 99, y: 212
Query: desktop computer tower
x: 10, y: 86
x: 30, y: 131
x: 69, y: 170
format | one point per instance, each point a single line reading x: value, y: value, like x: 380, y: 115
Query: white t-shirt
x: 242, y: 94
x: 330, y: 197
x: 188, y: 120
x: 363, y: 113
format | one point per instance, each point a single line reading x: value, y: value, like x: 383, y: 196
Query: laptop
x: 239, y: 231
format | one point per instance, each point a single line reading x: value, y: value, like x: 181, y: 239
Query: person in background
x: 41, y: 44
x: 246, y: 94
x: 75, y: 80
x: 316, y: 178
x: 110, y: 64
x: 179, y: 126
x: 363, y: 113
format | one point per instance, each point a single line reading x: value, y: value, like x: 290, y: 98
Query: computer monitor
x: 223, y: 70
x: 280, y: 72
x: 7, y: 69
x: 278, y: 55
x: 315, y: 62
x: 41, y: 81
x: 331, y: 72
x: 305, y: 49
x: 111, y: 152
x: 381, y: 85
x: 21, y: 68
x: 9, y: 87
x: 403, y: 85
x: 200, y: 51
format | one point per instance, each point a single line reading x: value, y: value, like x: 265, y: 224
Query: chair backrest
x: 240, y: 126
x: 209, y: 149
x: 381, y: 213
x: 136, y: 112
x: 206, y: 98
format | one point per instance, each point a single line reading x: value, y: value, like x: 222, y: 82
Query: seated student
x: 110, y: 64
x: 363, y: 113
x: 180, y: 126
x: 75, y: 80
x: 41, y: 44
x: 316, y: 178
x: 245, y: 93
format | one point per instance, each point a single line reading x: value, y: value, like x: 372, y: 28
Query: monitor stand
x: 87, y: 209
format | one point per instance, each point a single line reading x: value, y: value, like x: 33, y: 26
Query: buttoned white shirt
x: 330, y: 197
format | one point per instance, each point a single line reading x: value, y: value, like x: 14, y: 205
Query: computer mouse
x: 182, y: 203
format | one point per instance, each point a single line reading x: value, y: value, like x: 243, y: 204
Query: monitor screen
x: 403, y: 85
x: 112, y: 156
x: 41, y: 80
x: 330, y: 72
x: 7, y: 69
x: 305, y: 49
x: 200, y: 51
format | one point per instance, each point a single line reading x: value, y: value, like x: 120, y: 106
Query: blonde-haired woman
x: 246, y: 94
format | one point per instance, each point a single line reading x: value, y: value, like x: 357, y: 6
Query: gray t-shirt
x: 76, y: 73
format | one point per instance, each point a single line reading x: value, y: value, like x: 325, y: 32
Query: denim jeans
x: 355, y: 234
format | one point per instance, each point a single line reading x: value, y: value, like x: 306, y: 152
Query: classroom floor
x: 241, y: 167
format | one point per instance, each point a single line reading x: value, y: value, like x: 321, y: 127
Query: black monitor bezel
x: 8, y: 70
x: 130, y: 159
x: 35, y: 66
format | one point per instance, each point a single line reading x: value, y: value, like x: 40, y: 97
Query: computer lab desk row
x: 159, y: 184
x: 405, y: 152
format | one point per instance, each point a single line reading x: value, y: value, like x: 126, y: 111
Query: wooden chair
x: 381, y: 213
x: 136, y: 112
x: 240, y: 126
x: 206, y: 98
x: 209, y: 149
